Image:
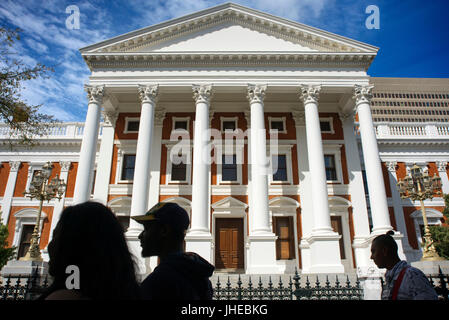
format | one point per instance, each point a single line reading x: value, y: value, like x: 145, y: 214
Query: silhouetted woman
x: 89, y: 236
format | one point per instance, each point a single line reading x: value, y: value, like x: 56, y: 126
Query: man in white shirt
x: 403, y: 282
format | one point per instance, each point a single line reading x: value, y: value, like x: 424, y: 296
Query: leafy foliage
x: 24, y: 121
x: 440, y: 234
x: 5, y: 252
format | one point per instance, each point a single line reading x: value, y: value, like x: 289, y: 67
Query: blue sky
x: 413, y: 36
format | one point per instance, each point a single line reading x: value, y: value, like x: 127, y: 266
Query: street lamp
x: 420, y: 186
x: 42, y: 189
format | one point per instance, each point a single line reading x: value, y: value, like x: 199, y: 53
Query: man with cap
x: 180, y: 275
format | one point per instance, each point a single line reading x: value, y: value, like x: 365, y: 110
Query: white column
x: 199, y: 238
x: 362, y: 242
x: 89, y: 145
x: 9, y: 191
x: 262, y: 240
x: 260, y: 165
x: 305, y: 191
x: 155, y: 172
x: 441, y: 165
x: 374, y: 176
x: 324, y: 242
x: 322, y: 222
x: 398, y: 212
x: 139, y: 201
x: 101, y: 189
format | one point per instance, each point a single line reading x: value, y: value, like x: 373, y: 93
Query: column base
x: 431, y: 267
x: 200, y: 243
x: 262, y: 254
x: 19, y: 267
x: 325, y: 254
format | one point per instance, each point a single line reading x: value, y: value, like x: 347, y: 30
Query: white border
x: 283, y: 150
x: 284, y: 123
x: 222, y: 119
x: 168, y: 167
x: 335, y: 150
x: 331, y: 122
x: 129, y: 119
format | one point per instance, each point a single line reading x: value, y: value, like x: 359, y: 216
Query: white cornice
x: 297, y: 32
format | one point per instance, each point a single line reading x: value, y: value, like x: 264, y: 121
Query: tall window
x: 229, y: 168
x: 179, y: 171
x: 281, y: 173
x: 285, y: 243
x: 331, y: 172
x: 25, y: 240
x: 128, y: 166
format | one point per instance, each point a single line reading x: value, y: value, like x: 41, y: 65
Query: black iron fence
x: 293, y: 290
x: 29, y: 287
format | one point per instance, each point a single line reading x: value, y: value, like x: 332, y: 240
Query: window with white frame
x: 128, y: 164
x: 281, y: 165
x: 332, y: 162
x: 180, y: 123
x: 228, y: 123
x: 178, y: 165
x: 229, y: 159
x: 33, y: 170
x: 277, y: 124
x: 326, y: 125
x: 131, y: 125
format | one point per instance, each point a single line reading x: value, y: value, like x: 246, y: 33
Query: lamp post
x: 420, y: 186
x: 42, y: 189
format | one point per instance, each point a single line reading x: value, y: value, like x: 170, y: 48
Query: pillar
x: 88, y: 145
x: 323, y: 241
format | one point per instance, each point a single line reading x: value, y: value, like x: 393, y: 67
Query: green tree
x: 440, y: 234
x: 24, y: 120
x: 5, y: 252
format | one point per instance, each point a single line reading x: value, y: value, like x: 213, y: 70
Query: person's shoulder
x: 65, y: 294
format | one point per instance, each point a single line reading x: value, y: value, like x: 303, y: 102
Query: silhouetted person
x: 89, y: 236
x: 403, y: 282
x: 179, y: 275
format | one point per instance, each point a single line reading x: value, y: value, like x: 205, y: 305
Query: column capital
x: 256, y: 92
x: 299, y: 117
x: 391, y: 166
x: 441, y: 165
x: 159, y: 115
x: 309, y: 93
x: 202, y: 93
x: 148, y: 93
x: 95, y: 94
x: 14, y: 165
x: 362, y: 94
x: 347, y: 116
x: 65, y: 165
x: 110, y: 117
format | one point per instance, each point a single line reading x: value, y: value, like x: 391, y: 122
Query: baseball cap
x: 167, y: 213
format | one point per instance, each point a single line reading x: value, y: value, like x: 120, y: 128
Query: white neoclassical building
x: 290, y: 152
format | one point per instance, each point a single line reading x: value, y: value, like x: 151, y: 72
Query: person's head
x: 384, y: 250
x: 89, y: 236
x: 165, y: 226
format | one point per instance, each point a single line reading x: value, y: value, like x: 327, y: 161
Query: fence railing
x: 407, y: 130
x: 293, y: 290
x: 64, y: 130
x: 30, y: 287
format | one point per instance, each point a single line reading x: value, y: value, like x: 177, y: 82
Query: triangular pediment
x: 228, y: 28
x: 226, y: 37
x: 228, y: 203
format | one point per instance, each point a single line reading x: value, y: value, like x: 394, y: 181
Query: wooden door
x: 338, y: 227
x: 285, y: 243
x: 229, y: 243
